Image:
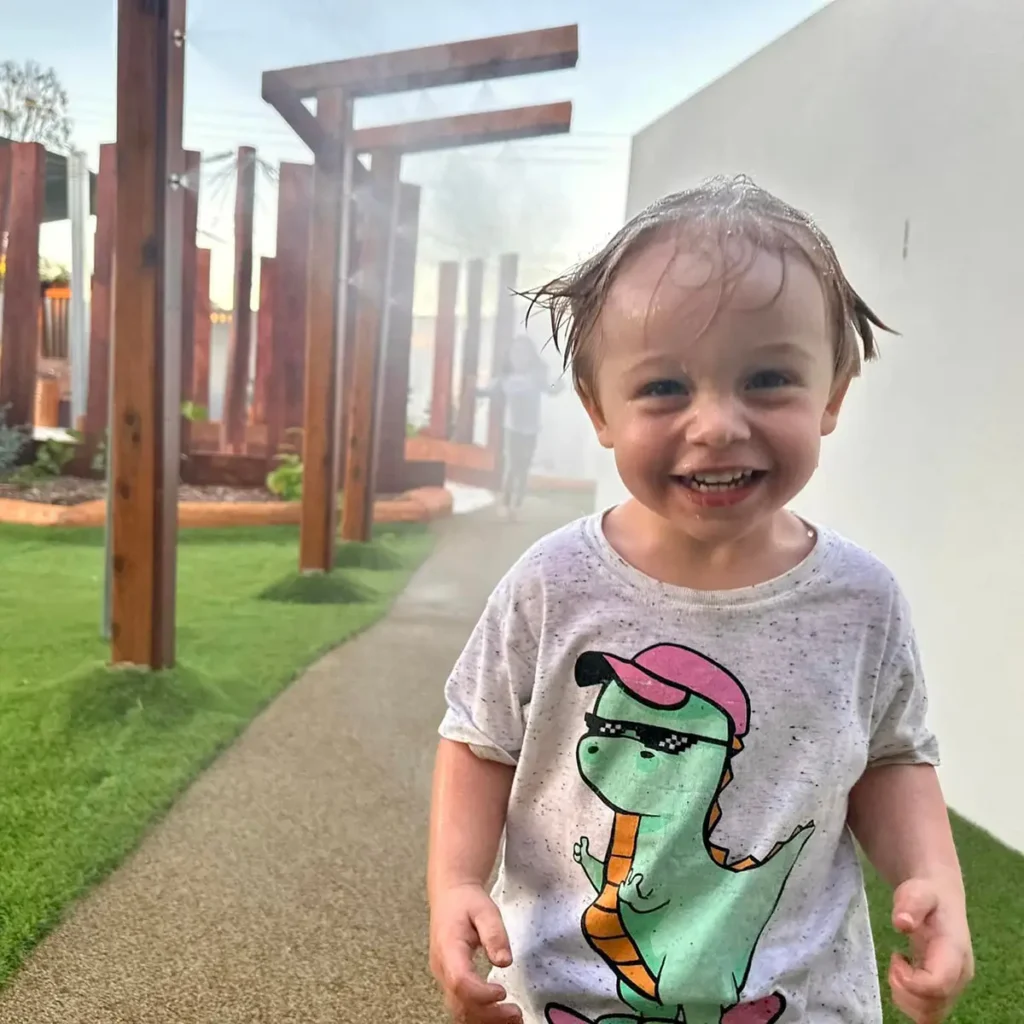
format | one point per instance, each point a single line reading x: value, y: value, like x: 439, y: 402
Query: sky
x: 551, y: 200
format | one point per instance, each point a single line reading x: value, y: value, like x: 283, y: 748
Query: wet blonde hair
x: 717, y: 209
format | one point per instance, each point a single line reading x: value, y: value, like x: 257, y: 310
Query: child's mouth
x: 717, y: 483
x: 725, y: 487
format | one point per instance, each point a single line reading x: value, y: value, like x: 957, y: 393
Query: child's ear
x: 830, y: 417
x: 593, y: 407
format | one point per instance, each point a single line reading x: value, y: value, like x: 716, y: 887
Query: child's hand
x: 463, y: 920
x: 940, y: 943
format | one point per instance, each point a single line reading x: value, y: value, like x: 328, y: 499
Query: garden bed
x: 67, y: 492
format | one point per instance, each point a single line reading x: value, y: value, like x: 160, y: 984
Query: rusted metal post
x: 326, y: 272
x: 22, y: 296
x: 378, y: 215
x: 444, y: 351
x: 466, y: 417
x: 287, y: 374
x: 201, y: 331
x: 264, y: 340
x: 504, y: 330
x: 147, y: 339
x: 101, y: 307
x: 236, y: 391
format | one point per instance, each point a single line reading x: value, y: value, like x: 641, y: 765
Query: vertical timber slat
x: 102, y: 309
x: 193, y: 164
x: 444, y: 351
x: 327, y: 267
x: 504, y: 331
x: 378, y: 213
x: 236, y: 389
x: 264, y: 340
x: 22, y: 301
x: 470, y: 352
x: 201, y: 331
x: 389, y: 459
x: 287, y: 374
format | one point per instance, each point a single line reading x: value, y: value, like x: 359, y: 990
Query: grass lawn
x: 995, y: 893
x: 89, y: 757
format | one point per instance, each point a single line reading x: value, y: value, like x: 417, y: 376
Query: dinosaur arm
x: 632, y: 893
x: 592, y: 867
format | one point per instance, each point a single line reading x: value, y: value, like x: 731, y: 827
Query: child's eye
x: 767, y: 379
x: 663, y: 389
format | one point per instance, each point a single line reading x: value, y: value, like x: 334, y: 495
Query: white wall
x: 882, y: 116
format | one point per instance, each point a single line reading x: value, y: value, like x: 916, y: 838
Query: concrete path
x: 287, y: 885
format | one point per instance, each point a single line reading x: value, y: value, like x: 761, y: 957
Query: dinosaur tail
x: 603, y: 926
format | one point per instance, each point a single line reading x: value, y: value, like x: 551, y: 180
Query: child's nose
x: 716, y: 421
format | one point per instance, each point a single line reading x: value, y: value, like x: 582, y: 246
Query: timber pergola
x: 330, y: 388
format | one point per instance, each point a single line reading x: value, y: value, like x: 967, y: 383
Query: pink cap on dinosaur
x: 663, y: 676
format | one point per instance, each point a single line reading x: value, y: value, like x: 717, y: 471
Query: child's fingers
x: 491, y: 931
x: 462, y: 982
x: 919, y: 999
x: 913, y: 903
x: 938, y: 976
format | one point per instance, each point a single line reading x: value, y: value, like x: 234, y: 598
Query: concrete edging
x: 419, y: 506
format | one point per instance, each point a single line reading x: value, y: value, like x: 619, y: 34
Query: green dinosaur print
x: 676, y: 917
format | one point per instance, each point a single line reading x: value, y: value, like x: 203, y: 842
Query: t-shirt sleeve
x: 899, y: 728
x: 491, y: 685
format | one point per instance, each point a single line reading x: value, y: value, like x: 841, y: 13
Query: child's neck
x: 667, y: 553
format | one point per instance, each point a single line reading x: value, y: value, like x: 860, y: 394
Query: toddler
x: 680, y: 713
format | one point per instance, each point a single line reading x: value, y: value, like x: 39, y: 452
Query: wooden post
x: 378, y: 215
x: 504, y: 331
x: 193, y: 163
x: 470, y: 352
x: 5, y: 191
x: 288, y: 360
x: 201, y: 331
x: 389, y: 459
x: 101, y: 309
x: 147, y: 339
x: 444, y: 351
x: 236, y: 389
x: 328, y: 266
x: 264, y: 340
x: 22, y: 295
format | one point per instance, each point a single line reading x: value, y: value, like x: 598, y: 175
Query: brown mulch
x: 66, y: 490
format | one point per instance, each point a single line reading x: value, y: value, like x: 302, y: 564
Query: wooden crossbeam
x: 467, y: 129
x: 472, y: 60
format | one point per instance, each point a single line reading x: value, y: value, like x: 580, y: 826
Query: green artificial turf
x: 994, y: 876
x: 90, y: 756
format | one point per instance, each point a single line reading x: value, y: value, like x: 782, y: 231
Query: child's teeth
x: 720, y: 481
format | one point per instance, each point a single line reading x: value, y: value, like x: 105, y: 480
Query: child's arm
x: 899, y: 817
x: 467, y: 817
x: 470, y: 801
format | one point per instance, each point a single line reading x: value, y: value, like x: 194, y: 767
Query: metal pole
x: 78, y: 330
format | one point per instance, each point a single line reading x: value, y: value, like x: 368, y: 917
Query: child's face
x: 715, y: 409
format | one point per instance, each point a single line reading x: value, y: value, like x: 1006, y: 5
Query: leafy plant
x: 51, y: 458
x: 194, y: 412
x: 286, y: 480
x: 12, y: 444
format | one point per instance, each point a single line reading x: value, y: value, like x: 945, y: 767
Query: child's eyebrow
x: 783, y: 348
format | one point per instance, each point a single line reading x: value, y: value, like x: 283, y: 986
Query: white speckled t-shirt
x: 676, y: 845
